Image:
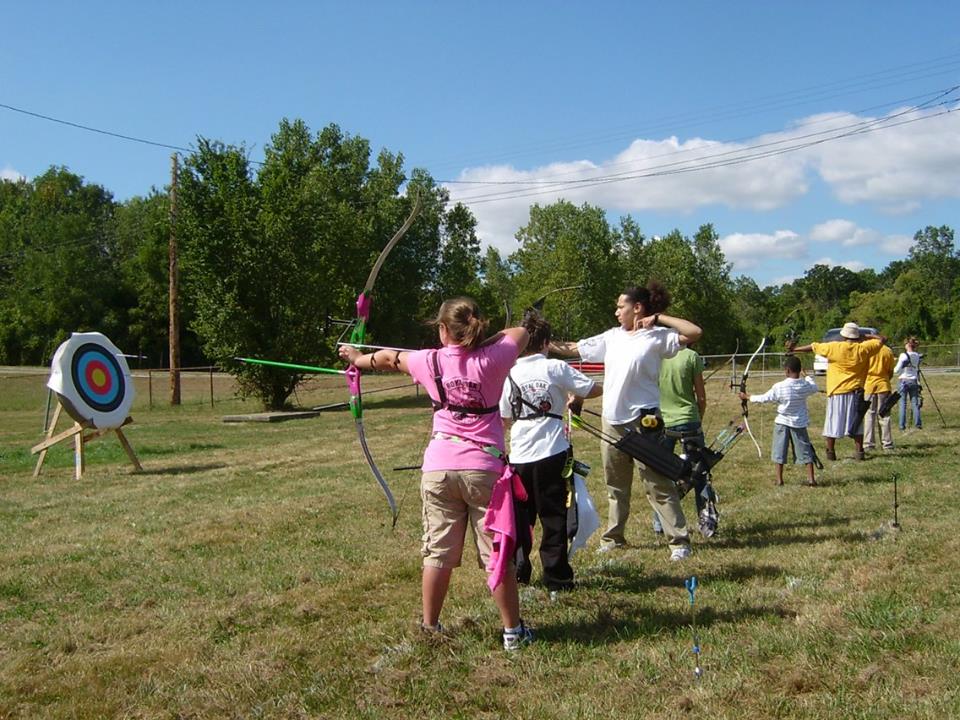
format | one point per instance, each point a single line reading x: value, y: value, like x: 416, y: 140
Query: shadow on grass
x: 148, y: 451
x: 766, y: 534
x: 617, y: 613
x: 182, y: 469
x: 629, y: 578
x: 617, y: 621
x: 883, y: 478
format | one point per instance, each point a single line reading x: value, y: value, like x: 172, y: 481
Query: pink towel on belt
x: 500, y: 522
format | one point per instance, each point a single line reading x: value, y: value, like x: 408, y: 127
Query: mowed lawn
x: 250, y: 571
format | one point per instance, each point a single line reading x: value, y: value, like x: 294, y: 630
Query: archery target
x: 92, y: 379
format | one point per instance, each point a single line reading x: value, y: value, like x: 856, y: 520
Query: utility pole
x: 174, y: 289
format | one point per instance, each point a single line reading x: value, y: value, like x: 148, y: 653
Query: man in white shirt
x: 631, y: 353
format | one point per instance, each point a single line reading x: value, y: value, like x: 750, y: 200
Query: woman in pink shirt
x: 466, y: 454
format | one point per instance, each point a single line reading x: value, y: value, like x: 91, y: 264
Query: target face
x: 97, y: 377
x: 92, y: 379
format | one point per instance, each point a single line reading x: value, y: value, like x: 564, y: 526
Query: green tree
x: 268, y: 257
x: 698, y: 278
x: 58, y: 263
x: 142, y: 228
x: 565, y: 245
x: 459, y: 267
x: 497, y: 278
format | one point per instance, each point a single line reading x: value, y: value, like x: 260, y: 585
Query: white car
x: 832, y: 335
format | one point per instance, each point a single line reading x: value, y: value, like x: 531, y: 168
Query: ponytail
x: 465, y: 326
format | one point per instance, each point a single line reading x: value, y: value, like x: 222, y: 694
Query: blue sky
x: 597, y: 103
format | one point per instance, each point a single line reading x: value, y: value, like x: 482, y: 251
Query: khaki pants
x: 661, y: 492
x: 870, y: 422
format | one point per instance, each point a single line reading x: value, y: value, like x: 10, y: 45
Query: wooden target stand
x: 81, y: 433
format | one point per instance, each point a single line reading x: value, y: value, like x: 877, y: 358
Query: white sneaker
x: 516, y: 638
x: 680, y: 553
x: 607, y: 547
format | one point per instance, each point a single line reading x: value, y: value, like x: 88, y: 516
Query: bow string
x: 745, y: 404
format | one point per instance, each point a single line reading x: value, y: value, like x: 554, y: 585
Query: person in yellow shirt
x: 875, y: 392
x: 849, y: 363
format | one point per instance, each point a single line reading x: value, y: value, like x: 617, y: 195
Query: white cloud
x: 854, y: 265
x: 748, y: 250
x: 8, y: 173
x: 897, y: 244
x: 847, y: 233
x: 914, y: 157
x: 844, y: 232
x: 628, y: 186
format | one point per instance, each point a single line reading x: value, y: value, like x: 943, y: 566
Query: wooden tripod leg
x: 50, y: 431
x: 78, y: 463
x: 129, y: 450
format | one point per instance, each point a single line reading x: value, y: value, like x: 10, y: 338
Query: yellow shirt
x: 849, y: 363
x: 880, y: 372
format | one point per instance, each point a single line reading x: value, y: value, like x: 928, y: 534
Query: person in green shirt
x: 683, y: 400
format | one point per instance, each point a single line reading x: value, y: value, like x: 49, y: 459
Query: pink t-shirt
x: 471, y: 378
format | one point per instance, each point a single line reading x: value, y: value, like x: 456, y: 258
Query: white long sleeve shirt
x: 791, y: 395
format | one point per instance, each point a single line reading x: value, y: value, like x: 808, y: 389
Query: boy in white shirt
x: 792, y: 417
x: 535, y: 398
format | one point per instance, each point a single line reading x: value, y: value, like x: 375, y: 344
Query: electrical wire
x: 675, y: 153
x: 912, y: 72
x: 859, y: 128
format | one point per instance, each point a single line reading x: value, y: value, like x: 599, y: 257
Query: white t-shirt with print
x: 544, y: 384
x: 631, y: 376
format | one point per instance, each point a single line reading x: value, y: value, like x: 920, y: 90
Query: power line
x: 859, y: 128
x: 871, y: 81
x: 101, y: 131
x: 674, y: 153
x: 94, y: 130
x: 702, y: 116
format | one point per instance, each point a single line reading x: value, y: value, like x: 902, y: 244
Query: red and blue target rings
x: 97, y: 377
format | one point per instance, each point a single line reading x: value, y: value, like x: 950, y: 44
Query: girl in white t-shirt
x: 535, y: 397
x: 631, y: 353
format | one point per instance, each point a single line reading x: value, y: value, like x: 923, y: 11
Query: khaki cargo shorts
x: 452, y: 499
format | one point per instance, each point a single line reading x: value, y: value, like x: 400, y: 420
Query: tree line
x: 273, y: 255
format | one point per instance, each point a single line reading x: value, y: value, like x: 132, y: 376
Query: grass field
x: 251, y: 572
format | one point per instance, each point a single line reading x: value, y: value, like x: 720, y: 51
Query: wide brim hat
x: 850, y: 330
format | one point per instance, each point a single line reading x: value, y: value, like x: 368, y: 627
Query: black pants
x: 547, y: 500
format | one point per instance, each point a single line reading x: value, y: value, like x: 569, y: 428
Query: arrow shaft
x: 291, y: 366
